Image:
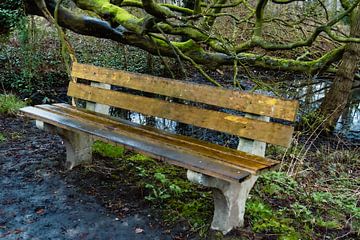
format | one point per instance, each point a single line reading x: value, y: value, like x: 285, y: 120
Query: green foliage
x: 11, y: 12
x: 26, y: 68
x: 107, y: 150
x: 331, y: 224
x: 280, y: 205
x: 264, y: 219
x: 302, y: 211
x: 168, y: 190
x: 139, y: 157
x: 2, y: 138
x: 10, y: 104
x: 162, y: 189
x: 278, y: 184
x: 312, y: 121
x: 179, y: 199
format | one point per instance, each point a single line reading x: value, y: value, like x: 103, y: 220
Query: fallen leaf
x: 40, y: 211
x: 17, y: 231
x: 139, y: 230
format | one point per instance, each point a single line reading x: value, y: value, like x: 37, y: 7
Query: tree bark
x: 336, y: 99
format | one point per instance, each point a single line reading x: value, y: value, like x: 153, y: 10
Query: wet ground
x: 39, y: 201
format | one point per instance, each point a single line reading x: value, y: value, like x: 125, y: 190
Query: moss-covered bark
x: 337, y: 97
x: 198, y: 43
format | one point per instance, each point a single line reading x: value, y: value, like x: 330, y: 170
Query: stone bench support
x: 230, y: 197
x: 229, y: 200
x: 78, y: 145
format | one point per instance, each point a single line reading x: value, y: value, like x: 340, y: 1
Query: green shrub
x: 25, y: 68
x: 10, y: 104
x: 11, y: 11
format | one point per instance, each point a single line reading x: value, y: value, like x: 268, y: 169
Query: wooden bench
x: 231, y: 173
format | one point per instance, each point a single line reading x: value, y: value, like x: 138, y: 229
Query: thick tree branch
x: 157, y: 10
x: 203, y: 46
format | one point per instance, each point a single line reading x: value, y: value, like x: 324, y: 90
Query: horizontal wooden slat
x: 237, y: 100
x: 241, y: 160
x: 269, y: 132
x: 163, y: 151
x: 212, y: 147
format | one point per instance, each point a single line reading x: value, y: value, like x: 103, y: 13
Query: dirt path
x: 37, y: 202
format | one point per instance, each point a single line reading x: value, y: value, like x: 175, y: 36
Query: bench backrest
x: 269, y: 132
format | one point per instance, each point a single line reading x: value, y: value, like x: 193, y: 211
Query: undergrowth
x: 27, y: 70
x: 320, y: 201
x: 165, y: 187
x: 10, y: 104
x: 107, y: 150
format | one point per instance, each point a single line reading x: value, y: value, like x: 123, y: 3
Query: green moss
x: 140, y: 157
x: 330, y: 224
x: 118, y: 14
x: 10, y: 104
x: 107, y: 150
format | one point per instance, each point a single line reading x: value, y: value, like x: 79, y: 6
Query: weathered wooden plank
x: 211, y: 147
x: 269, y: 132
x: 237, y: 100
x: 162, y: 152
x: 240, y: 160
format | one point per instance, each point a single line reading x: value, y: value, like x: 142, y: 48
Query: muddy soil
x: 38, y: 200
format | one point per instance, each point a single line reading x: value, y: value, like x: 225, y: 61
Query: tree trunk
x: 336, y: 99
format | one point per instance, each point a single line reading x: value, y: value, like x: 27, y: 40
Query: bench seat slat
x: 163, y: 152
x: 211, y: 147
x: 269, y: 132
x: 244, y: 161
x: 237, y: 100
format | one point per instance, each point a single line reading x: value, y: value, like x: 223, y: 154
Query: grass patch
x: 107, y: 150
x: 10, y: 104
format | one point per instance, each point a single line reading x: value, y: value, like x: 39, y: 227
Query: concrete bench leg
x: 229, y: 200
x: 78, y: 145
x: 230, y: 197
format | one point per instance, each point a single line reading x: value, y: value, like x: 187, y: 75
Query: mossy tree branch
x: 204, y: 43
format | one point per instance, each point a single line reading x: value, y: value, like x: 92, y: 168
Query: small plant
x: 10, y: 104
x: 278, y: 184
x: 312, y: 122
x: 164, y: 189
x: 2, y: 138
x: 107, y: 150
x: 197, y: 212
x: 264, y: 219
